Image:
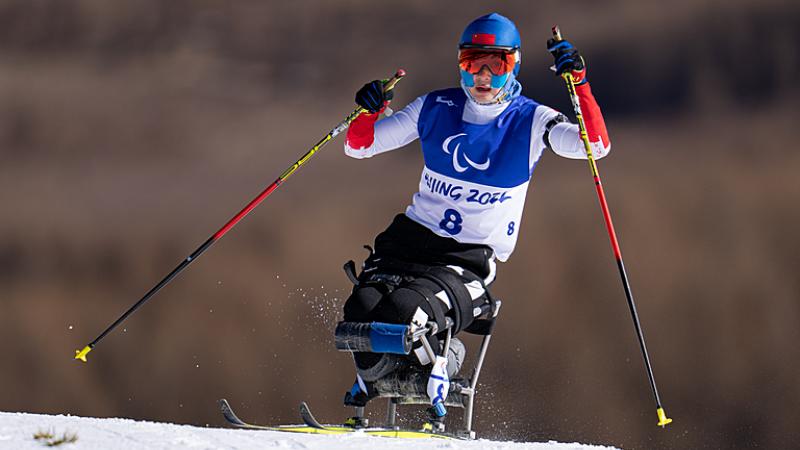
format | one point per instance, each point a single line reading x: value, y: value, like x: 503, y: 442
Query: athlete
x: 480, y: 143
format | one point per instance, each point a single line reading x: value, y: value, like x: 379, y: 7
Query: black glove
x: 372, y: 97
x: 567, y: 59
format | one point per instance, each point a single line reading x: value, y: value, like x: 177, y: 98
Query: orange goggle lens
x: 473, y: 60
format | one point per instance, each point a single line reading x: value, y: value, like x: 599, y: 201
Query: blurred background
x: 130, y: 131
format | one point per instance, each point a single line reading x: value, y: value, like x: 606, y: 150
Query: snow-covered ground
x: 17, y: 432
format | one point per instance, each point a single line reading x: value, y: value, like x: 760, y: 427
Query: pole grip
x: 557, y: 33
x: 389, y: 85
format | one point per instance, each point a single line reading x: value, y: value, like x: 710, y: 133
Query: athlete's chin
x: 482, y: 96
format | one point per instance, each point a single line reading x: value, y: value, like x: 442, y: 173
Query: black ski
x: 308, y: 418
x: 233, y: 419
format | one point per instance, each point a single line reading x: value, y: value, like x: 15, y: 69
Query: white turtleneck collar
x: 482, y: 114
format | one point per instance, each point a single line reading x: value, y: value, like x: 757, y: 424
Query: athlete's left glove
x: 372, y: 96
x: 567, y: 59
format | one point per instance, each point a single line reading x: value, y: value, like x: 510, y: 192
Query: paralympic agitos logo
x: 456, y: 160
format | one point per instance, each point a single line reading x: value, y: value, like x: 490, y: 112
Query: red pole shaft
x: 246, y: 210
x: 607, y: 216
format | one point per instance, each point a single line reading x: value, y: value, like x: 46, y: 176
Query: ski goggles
x: 472, y: 60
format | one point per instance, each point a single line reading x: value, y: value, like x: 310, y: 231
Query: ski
x: 308, y: 418
x: 312, y: 426
x: 233, y: 419
x: 311, y: 421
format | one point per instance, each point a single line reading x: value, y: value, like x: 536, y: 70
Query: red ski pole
x: 388, y: 85
x: 663, y: 420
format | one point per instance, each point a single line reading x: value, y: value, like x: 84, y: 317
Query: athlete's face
x: 483, y: 90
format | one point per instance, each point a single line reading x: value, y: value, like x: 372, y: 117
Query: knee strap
x: 439, y: 313
x: 457, y: 294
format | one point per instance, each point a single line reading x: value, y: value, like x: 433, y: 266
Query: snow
x: 17, y: 432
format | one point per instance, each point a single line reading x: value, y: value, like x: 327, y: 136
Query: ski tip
x: 226, y: 407
x: 308, y: 418
x: 228, y: 413
x: 305, y: 410
x: 81, y: 354
x: 663, y: 420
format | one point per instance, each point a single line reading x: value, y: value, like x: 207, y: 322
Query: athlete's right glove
x: 567, y: 59
x: 372, y: 97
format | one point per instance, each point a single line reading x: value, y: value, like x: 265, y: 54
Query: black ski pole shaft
x: 388, y: 85
x: 663, y: 420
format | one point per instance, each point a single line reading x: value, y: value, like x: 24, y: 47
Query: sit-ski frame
x: 466, y: 394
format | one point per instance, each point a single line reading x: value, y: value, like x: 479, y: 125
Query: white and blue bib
x: 476, y: 177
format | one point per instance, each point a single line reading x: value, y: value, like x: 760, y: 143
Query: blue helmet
x: 492, y: 32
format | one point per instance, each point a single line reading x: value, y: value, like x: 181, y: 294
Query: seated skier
x: 480, y: 143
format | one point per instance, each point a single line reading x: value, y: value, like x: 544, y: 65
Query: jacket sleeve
x: 564, y: 137
x: 368, y: 136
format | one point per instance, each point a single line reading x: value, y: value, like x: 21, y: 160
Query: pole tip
x: 400, y: 73
x: 81, y: 354
x: 663, y: 420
